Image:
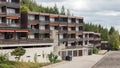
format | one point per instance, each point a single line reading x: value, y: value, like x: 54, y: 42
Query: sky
x: 104, y: 12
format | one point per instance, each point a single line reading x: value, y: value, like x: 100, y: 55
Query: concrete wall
x: 42, y: 54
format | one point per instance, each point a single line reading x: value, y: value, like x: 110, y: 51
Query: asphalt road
x: 110, y: 60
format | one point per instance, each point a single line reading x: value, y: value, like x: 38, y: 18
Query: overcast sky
x: 104, y: 12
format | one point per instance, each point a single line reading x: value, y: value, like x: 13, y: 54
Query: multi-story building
x: 40, y: 26
x: 10, y: 26
x: 91, y: 39
x: 69, y: 29
x: 13, y: 35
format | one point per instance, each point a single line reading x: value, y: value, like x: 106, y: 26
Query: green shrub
x: 95, y: 50
x: 3, y: 58
x: 52, y: 57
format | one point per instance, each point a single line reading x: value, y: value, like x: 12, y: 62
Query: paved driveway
x: 79, y: 62
x: 111, y: 60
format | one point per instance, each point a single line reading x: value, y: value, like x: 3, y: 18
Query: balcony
x: 29, y: 41
x: 2, y: 3
x: 34, y: 30
x: 63, y: 39
x: 13, y: 14
x: 10, y: 25
x: 73, y: 47
x: 62, y: 22
x: 44, y: 31
x: 2, y: 14
x: 44, y: 22
x: 79, y: 39
x: 72, y: 32
x: 79, y: 24
x: 63, y: 31
x: 33, y: 22
x: 71, y: 39
x: 13, y: 4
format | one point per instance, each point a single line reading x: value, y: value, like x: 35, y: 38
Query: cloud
x: 109, y: 13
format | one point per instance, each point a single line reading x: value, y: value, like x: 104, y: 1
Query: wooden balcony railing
x: 28, y: 41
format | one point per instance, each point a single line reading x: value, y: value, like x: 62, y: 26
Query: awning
x: 53, y: 16
x: 53, y: 24
x: 21, y: 31
x: 12, y: 17
x: 6, y: 31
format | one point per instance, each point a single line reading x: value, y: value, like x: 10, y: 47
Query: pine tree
x: 68, y: 12
x: 63, y: 10
x: 55, y: 9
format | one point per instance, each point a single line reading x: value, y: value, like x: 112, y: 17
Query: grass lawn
x: 13, y: 64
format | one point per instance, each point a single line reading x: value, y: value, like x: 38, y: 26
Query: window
x: 9, y: 10
x: 42, y: 18
x: 10, y: 21
x: 31, y: 17
x: 9, y: 1
x: 52, y: 20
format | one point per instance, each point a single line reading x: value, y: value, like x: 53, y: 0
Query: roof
x: 88, y: 32
x: 39, y: 13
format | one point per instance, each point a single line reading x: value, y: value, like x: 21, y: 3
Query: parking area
x: 78, y: 62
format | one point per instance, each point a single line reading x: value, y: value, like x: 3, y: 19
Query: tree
x: 114, y: 41
x: 95, y: 50
x: 68, y: 12
x: 18, y: 52
x: 24, y: 9
x: 112, y: 29
x: 63, y: 10
x: 56, y: 11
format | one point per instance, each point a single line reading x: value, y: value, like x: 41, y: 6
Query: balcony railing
x: 29, y: 41
x: 2, y: 13
x: 13, y: 4
x: 73, y: 47
x: 13, y: 14
x: 71, y: 39
x: 3, y: 3
x: 44, y: 31
x: 79, y: 24
x: 9, y: 25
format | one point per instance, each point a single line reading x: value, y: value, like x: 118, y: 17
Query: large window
x: 31, y: 17
x: 10, y: 21
x: 10, y: 10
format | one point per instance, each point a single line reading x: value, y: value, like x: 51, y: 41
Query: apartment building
x: 69, y: 29
x: 10, y: 26
x: 91, y: 39
x: 40, y: 26
x: 13, y: 35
